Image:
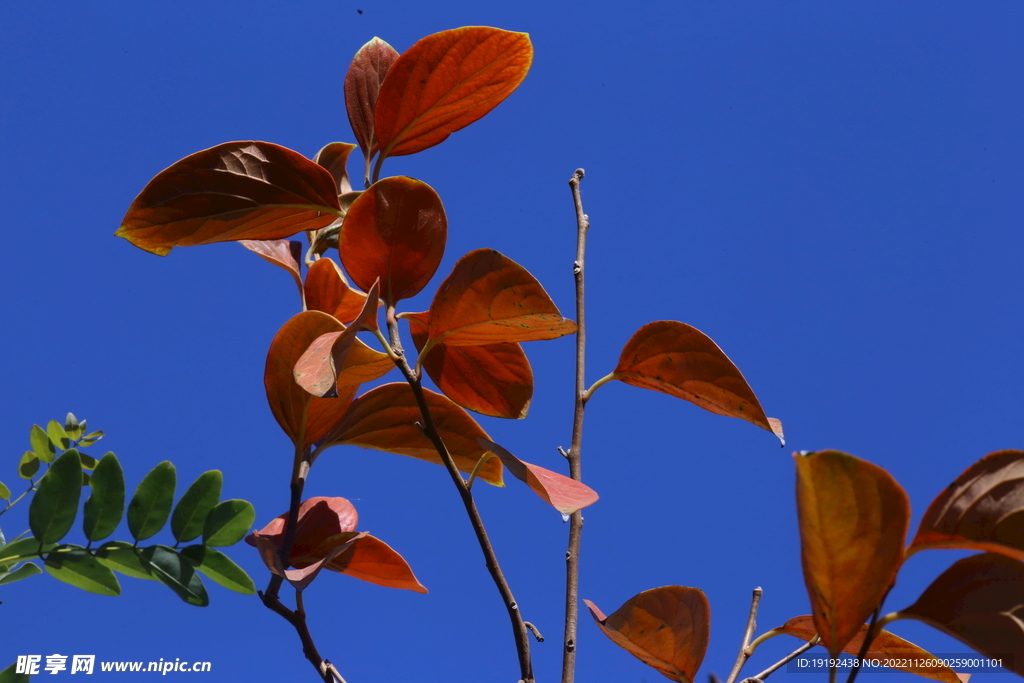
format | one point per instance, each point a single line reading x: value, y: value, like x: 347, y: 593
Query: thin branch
x: 782, y: 662
x: 742, y: 657
x: 535, y: 631
x: 868, y: 637
x: 519, y: 628
x: 298, y: 620
x: 572, y: 555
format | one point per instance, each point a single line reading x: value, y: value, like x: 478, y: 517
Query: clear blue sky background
x: 832, y: 194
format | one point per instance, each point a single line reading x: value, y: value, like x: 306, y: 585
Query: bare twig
x: 868, y: 637
x: 572, y: 555
x: 519, y: 628
x: 782, y: 662
x: 297, y: 619
x: 535, y: 631
x: 742, y: 657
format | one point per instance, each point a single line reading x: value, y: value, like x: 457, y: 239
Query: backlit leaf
x: 371, y: 559
x: 979, y: 601
x: 682, y: 361
x: 28, y: 465
x: 234, y: 191
x: 327, y: 291
x: 177, y: 573
x: 490, y: 298
x: 5, y: 494
x: 282, y: 253
x: 219, y: 567
x: 105, y: 506
x: 196, y: 503
x: 560, y: 492
x: 982, y: 510
x: 666, y: 628
x: 23, y: 572
x: 151, y: 504
x: 41, y: 444
x: 228, y: 522
x: 395, y: 231
x: 304, y: 418
x: 493, y: 379
x: 385, y: 419
x: 853, y: 522
x: 334, y: 157
x: 55, y: 504
x: 445, y: 82
x: 362, y: 85
x: 74, y: 565
x: 885, y: 647
x: 23, y: 549
x: 124, y: 558
x: 59, y: 438
x: 73, y: 427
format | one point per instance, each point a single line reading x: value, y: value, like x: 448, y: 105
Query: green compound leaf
x: 5, y: 494
x: 74, y: 565
x: 72, y: 427
x: 88, y: 462
x: 57, y: 435
x: 124, y: 558
x: 151, y: 504
x: 29, y: 465
x: 228, y: 523
x: 41, y: 444
x: 105, y: 506
x: 176, y: 573
x: 220, y: 568
x: 23, y: 549
x: 55, y: 504
x: 23, y: 572
x: 191, y: 511
x: 91, y: 438
x: 8, y: 675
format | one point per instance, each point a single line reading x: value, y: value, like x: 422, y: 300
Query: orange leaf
x: 682, y: 361
x: 362, y: 85
x: 371, y: 559
x: 327, y: 291
x: 303, y: 418
x: 234, y: 191
x: 490, y: 298
x: 982, y: 510
x: 394, y: 231
x: 560, y: 492
x: 493, y: 379
x: 886, y: 646
x: 665, y: 628
x: 334, y: 157
x: 445, y: 82
x: 282, y: 253
x: 853, y: 523
x: 978, y: 601
x: 385, y: 419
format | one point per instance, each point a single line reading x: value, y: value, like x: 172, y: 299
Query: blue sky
x: 831, y: 193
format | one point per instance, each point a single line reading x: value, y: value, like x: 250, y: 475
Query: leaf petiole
x: 599, y: 383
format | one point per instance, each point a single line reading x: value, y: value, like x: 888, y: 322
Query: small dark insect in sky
x: 360, y: 11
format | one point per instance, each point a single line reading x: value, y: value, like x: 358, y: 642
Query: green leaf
x: 23, y: 572
x: 125, y: 558
x: 8, y: 675
x: 151, y: 505
x: 88, y: 462
x: 191, y: 511
x: 55, y: 503
x: 177, y: 573
x: 3, y: 539
x: 220, y: 568
x: 29, y: 465
x: 228, y: 523
x: 26, y: 548
x: 57, y: 435
x: 5, y: 494
x: 72, y: 427
x: 41, y: 444
x: 74, y: 565
x: 90, y: 439
x: 105, y: 506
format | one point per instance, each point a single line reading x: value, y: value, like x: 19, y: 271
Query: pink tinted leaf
x: 560, y: 492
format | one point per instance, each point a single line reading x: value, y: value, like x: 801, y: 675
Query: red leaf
x: 371, y: 559
x: 362, y: 85
x: 666, y: 628
x: 327, y: 291
x: 301, y: 578
x: 853, y: 523
x: 682, y: 361
x: 445, y: 82
x: 334, y: 157
x: 385, y: 419
x: 982, y: 510
x: 282, y: 253
x: 560, y: 492
x: 234, y: 191
x: 493, y: 379
x: 395, y: 231
x: 490, y: 298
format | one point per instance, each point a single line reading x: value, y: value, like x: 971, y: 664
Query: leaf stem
x: 572, y: 555
x: 598, y: 384
x: 10, y: 504
x: 742, y: 657
x: 376, y: 169
x: 476, y: 469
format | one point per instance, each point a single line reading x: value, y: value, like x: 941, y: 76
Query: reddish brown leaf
x: 979, y: 601
x: 982, y: 510
x: 234, y: 191
x: 334, y: 157
x: 385, y: 419
x: 560, y: 492
x: 490, y: 298
x: 327, y: 291
x: 304, y: 418
x: 665, y: 628
x: 374, y: 561
x: 301, y: 578
x: 394, y: 231
x: 493, y: 379
x: 682, y: 361
x: 445, y: 82
x: 362, y: 85
x: 282, y: 253
x: 853, y: 523
x: 885, y: 647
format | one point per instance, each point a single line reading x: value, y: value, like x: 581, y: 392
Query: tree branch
x: 572, y: 555
x: 782, y: 662
x: 741, y: 659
